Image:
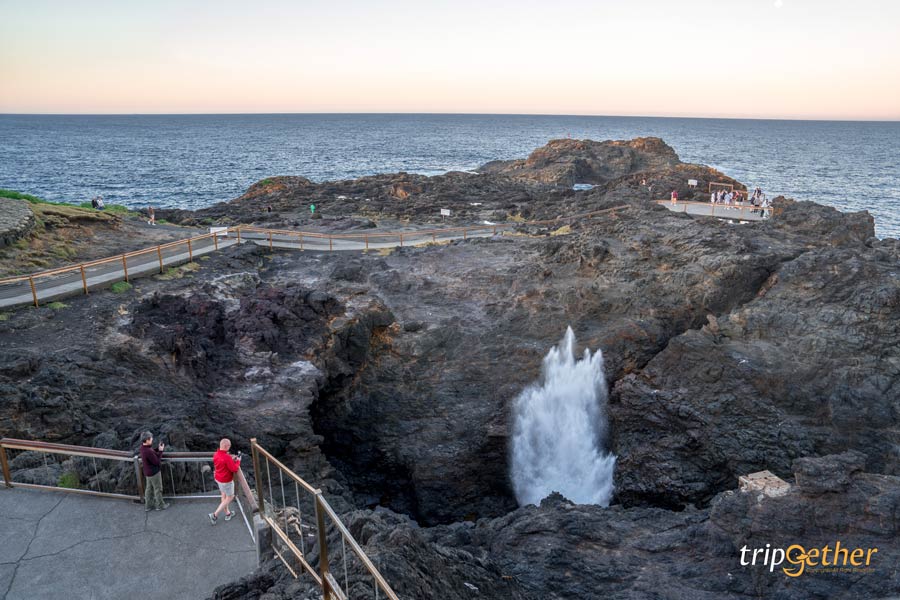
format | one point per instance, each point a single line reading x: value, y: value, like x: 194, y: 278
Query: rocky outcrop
x: 16, y: 220
x: 568, y: 161
x: 562, y: 550
x: 387, y: 379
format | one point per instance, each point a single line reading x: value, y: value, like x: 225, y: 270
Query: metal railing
x: 82, y: 277
x: 113, y: 473
x: 74, y: 469
x: 308, y: 533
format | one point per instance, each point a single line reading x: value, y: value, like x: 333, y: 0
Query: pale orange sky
x: 708, y: 58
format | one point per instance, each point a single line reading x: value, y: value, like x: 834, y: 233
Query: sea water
x: 191, y: 161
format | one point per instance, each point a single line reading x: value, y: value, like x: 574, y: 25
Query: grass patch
x: 562, y: 230
x: 4, y: 317
x: 178, y: 272
x: 516, y: 218
x: 20, y: 196
x: 69, y: 480
x: 56, y: 305
x: 120, y: 287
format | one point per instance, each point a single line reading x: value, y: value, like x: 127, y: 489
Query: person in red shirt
x: 226, y: 465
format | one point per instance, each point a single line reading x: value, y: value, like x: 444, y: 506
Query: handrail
x: 325, y: 578
x: 16, y: 444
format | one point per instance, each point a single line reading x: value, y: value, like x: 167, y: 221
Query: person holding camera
x: 150, y: 463
x: 226, y: 465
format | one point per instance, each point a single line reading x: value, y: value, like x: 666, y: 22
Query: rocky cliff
x: 387, y: 378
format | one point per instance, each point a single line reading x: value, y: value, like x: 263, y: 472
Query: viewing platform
x: 732, y: 212
x: 58, y: 546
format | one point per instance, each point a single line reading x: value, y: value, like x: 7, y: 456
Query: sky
x: 794, y: 59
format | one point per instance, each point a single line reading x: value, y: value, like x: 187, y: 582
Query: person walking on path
x: 150, y: 461
x: 226, y: 465
x: 674, y: 196
x: 152, y: 214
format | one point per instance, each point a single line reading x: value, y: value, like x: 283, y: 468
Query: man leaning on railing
x: 151, y: 460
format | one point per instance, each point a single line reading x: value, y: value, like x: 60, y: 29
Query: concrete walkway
x: 61, y: 546
x: 69, y: 284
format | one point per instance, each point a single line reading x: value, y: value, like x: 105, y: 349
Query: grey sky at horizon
x: 695, y: 58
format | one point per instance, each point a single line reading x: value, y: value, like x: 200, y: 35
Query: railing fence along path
x: 302, y: 529
x: 82, y: 277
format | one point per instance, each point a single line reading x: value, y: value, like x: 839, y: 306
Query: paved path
x: 61, y: 546
x: 720, y: 211
x: 68, y: 284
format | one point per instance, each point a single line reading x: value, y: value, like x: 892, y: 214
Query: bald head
x: 225, y: 444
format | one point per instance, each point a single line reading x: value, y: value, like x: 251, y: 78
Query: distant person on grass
x: 152, y: 214
x: 226, y: 465
x: 151, y: 460
x: 100, y: 204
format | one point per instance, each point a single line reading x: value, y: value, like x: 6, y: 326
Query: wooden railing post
x: 367, y: 241
x: 190, y: 252
x: 301, y: 241
x: 84, y: 280
x: 138, y: 474
x: 401, y: 240
x: 159, y: 254
x: 125, y: 267
x: 239, y: 235
x: 33, y: 290
x: 216, y: 241
x: 7, y: 478
x: 330, y: 244
x: 270, y: 240
x: 464, y: 233
x: 257, y: 474
x: 323, y: 546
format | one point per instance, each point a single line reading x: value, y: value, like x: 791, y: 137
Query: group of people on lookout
x: 225, y: 465
x: 728, y: 197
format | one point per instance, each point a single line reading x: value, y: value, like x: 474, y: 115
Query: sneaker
x: 147, y: 508
x: 212, y: 518
x: 228, y: 516
x: 163, y: 507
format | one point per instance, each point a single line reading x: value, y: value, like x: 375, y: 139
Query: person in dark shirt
x: 151, y: 460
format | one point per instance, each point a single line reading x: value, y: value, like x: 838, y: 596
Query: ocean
x: 192, y: 161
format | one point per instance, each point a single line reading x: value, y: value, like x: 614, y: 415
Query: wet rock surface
x: 387, y: 379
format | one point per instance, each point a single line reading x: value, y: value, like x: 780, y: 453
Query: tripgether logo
x: 828, y: 559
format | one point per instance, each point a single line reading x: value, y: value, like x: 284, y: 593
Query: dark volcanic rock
x: 387, y: 378
x: 570, y: 161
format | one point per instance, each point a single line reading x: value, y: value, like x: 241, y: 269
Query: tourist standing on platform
x: 150, y: 463
x: 226, y: 465
x: 674, y: 196
x: 712, y: 197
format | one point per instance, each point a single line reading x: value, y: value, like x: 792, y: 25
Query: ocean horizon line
x: 447, y: 114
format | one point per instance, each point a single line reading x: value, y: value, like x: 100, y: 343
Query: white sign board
x: 692, y: 182
x: 219, y: 231
x: 445, y: 212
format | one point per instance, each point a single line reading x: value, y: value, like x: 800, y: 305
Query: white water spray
x: 559, y: 430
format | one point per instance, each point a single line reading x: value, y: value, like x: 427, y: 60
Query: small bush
x: 4, y: 317
x: 120, y: 287
x: 562, y: 230
x: 69, y: 480
x: 56, y: 305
